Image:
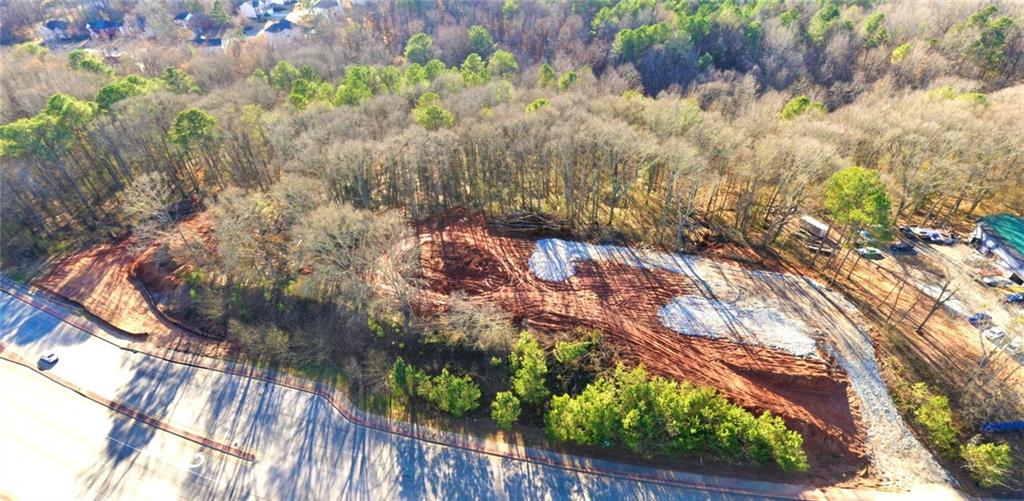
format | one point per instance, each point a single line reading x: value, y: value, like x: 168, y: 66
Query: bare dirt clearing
x: 624, y: 301
x: 104, y: 280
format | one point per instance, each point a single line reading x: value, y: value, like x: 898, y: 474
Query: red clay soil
x: 621, y: 301
x: 103, y: 279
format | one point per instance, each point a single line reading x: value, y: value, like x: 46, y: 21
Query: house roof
x: 1009, y: 229
x: 208, y: 42
x: 104, y: 24
x: 280, y: 26
x: 56, y: 24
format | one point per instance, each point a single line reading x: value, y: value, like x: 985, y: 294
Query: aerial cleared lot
x: 728, y: 344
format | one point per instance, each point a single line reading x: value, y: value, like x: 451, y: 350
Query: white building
x: 254, y: 9
x: 1002, y: 236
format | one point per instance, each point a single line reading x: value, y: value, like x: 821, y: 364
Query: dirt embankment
x: 623, y: 301
x: 105, y: 280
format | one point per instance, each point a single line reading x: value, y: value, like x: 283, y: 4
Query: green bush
x: 565, y: 80
x: 546, y: 77
x: 455, y: 395
x: 505, y: 409
x: 430, y: 114
x: 568, y: 351
x: 658, y: 416
x: 407, y: 381
x: 123, y: 88
x: 932, y: 412
x: 800, y: 105
x: 32, y: 48
x: 480, y: 40
x: 81, y: 59
x: 418, y: 48
x: 530, y: 367
x: 179, y: 82
x: 899, y: 53
x: 988, y: 463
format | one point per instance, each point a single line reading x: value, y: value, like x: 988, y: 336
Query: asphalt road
x: 56, y: 444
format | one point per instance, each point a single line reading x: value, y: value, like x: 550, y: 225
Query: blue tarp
x: 1007, y: 426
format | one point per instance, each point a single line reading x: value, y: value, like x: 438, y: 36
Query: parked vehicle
x: 937, y: 237
x: 980, y: 320
x: 996, y: 282
x: 49, y: 359
x: 869, y: 253
x: 1015, y: 345
x: 922, y: 233
x: 823, y: 249
x: 1016, y: 297
x: 902, y: 248
x: 813, y: 227
x: 908, y: 232
x: 931, y: 235
x: 994, y: 334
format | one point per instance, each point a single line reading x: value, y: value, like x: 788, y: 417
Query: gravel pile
x: 700, y: 316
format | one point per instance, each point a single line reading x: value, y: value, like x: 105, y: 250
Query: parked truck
x: 813, y: 227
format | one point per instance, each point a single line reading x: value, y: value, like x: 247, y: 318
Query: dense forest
x: 638, y: 119
x: 570, y: 108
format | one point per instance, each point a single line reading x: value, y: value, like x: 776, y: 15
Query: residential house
x: 1002, y: 236
x: 211, y: 44
x: 281, y: 30
x: 182, y: 18
x: 329, y: 8
x: 55, y: 29
x: 282, y: 26
x: 212, y: 39
x: 254, y: 9
x: 105, y: 29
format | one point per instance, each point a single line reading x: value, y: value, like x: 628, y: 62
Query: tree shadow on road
x: 153, y: 390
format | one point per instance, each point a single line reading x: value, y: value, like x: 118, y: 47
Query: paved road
x: 304, y: 448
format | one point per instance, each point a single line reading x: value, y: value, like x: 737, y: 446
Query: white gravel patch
x: 555, y: 259
x: 700, y: 316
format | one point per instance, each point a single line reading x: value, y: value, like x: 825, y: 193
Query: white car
x: 994, y: 334
x: 49, y: 358
x: 997, y: 282
x: 870, y: 252
x: 1015, y: 345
